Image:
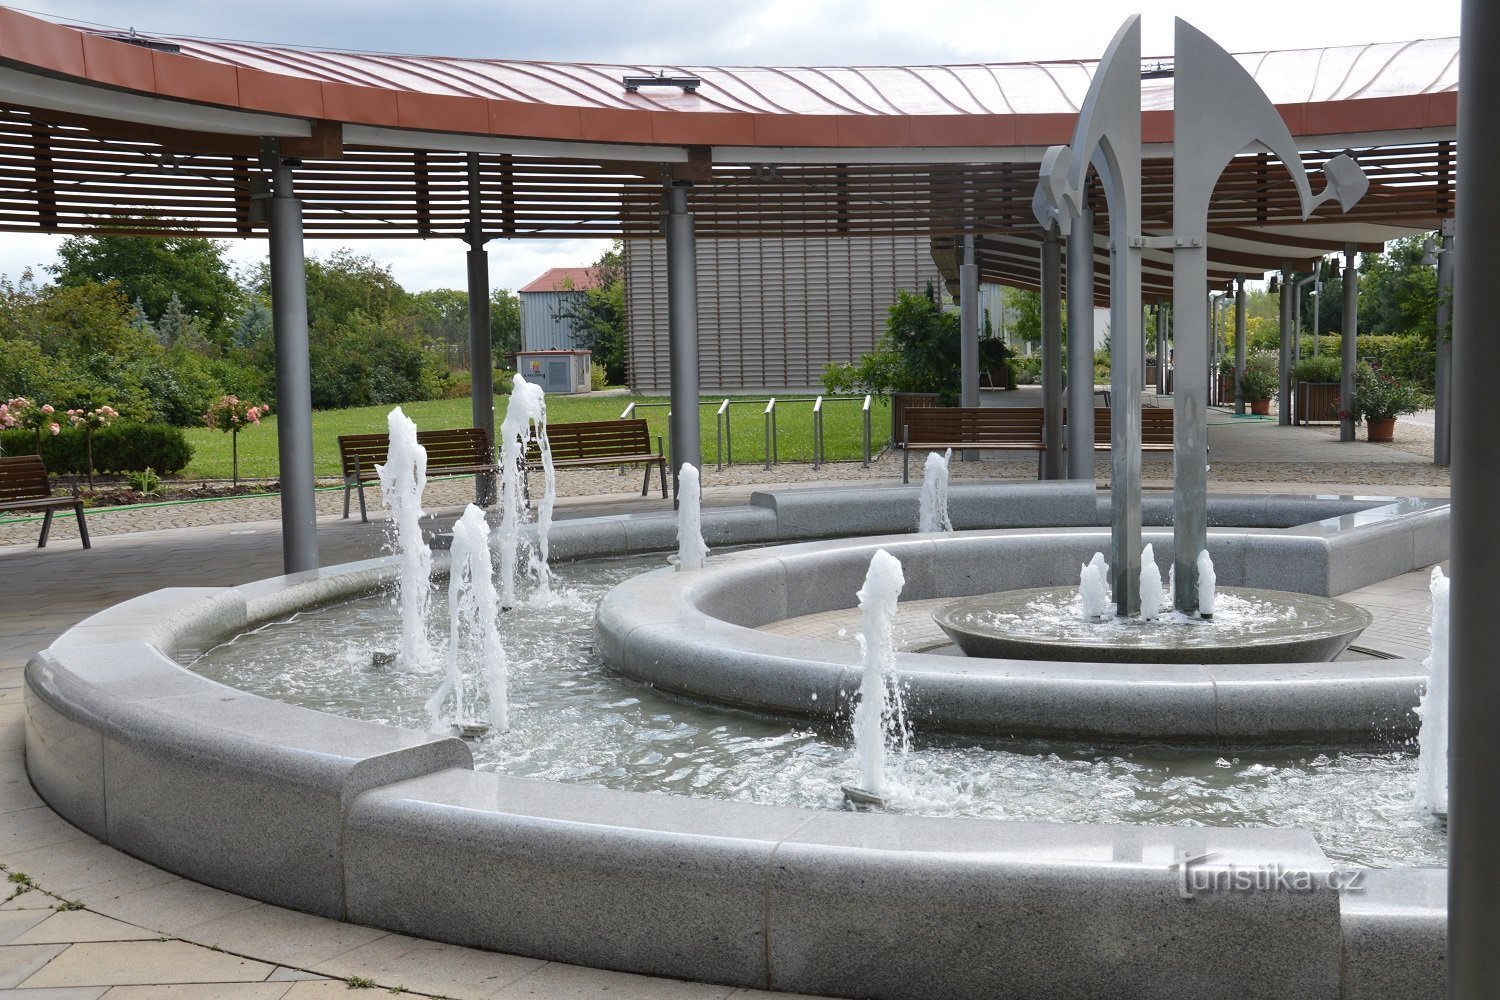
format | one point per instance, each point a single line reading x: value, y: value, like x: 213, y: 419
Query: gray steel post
x: 682, y: 324
x: 1189, y: 417
x: 1442, y: 441
x: 1081, y: 347
x: 968, y: 318
x: 1240, y: 307
x: 1474, y: 683
x: 1052, y: 400
x: 299, y: 515
x: 481, y: 355
x: 1161, y: 347
x: 1350, y: 345
x: 1284, y: 363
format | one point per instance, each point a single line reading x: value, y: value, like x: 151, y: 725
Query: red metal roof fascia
x: 42, y: 44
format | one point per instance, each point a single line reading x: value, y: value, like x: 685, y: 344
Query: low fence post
x: 770, y: 418
x: 866, y: 463
x: 818, y: 432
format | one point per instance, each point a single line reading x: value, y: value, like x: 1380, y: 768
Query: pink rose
x: 47, y: 408
x: 56, y: 430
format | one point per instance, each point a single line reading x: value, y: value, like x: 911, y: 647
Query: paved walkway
x: 84, y: 921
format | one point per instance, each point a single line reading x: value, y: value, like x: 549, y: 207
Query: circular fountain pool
x: 574, y: 720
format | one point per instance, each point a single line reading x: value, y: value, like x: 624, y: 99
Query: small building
x: 541, y: 301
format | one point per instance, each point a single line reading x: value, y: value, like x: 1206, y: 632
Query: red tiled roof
x: 563, y: 279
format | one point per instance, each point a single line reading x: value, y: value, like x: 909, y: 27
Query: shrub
x: 598, y: 378
x: 1261, y: 380
x: 1318, y: 369
x: 120, y: 448
x: 1381, y: 397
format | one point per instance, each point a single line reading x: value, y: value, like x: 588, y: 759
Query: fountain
x: 932, y: 509
x: 876, y: 713
x: 692, y: 550
x: 1207, y: 581
x: 1093, y: 589
x: 403, y: 477
x: 1432, y: 764
x: 525, y: 421
x: 1150, y: 587
x: 473, y: 638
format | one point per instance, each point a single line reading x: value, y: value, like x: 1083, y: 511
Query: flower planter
x: 1380, y: 430
x: 1260, y: 407
x: 1317, y: 402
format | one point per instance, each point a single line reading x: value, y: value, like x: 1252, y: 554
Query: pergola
x: 103, y: 132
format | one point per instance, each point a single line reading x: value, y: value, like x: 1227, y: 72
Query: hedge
x: 118, y: 448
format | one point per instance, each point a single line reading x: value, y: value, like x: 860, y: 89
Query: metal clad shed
x: 542, y: 298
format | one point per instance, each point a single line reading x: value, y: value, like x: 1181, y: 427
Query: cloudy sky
x: 734, y: 32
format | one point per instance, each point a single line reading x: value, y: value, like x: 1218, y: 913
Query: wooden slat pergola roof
x: 145, y: 136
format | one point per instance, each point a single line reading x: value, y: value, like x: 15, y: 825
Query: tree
x: 505, y: 322
x: 1026, y: 307
x: 150, y: 271
x: 919, y: 353
x: 1397, y: 292
x: 598, y: 317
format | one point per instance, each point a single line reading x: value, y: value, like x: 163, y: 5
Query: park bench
x: 1156, y: 429
x: 454, y: 452
x: 604, y: 442
x: 984, y: 428
x: 24, y: 487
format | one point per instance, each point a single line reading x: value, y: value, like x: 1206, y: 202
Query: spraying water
x: 403, y: 477
x: 1207, y: 581
x: 1093, y: 593
x: 473, y: 609
x: 877, y: 603
x: 692, y: 550
x: 1150, y: 586
x: 525, y: 420
x: 1432, y: 739
x: 932, y: 512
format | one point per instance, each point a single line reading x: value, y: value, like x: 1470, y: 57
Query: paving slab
x: 72, y: 926
x: 142, y: 963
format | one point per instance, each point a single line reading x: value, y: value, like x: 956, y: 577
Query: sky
x: 659, y: 33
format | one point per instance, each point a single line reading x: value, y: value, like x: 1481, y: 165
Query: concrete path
x: 84, y: 921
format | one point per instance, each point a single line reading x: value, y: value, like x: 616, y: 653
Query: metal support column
x: 1161, y: 348
x: 1442, y: 441
x: 299, y: 515
x: 1081, y: 347
x: 1284, y: 362
x: 1240, y: 307
x: 1350, y: 344
x: 682, y: 324
x: 1189, y: 420
x: 968, y: 318
x: 1474, y: 683
x: 481, y: 354
x: 1053, y: 464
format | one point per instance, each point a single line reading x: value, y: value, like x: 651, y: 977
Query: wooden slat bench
x: 1156, y: 429
x: 987, y: 428
x: 604, y: 442
x: 449, y: 452
x: 24, y: 487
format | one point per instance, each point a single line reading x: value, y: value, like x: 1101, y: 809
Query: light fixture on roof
x: 1158, y: 69
x: 1334, y: 269
x: 144, y: 41
x: 689, y: 84
x: 1275, y: 285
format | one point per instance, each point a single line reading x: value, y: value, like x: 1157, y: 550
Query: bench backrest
x: 446, y: 449
x: 23, y: 477
x: 1156, y: 425
x: 952, y: 424
x: 596, y: 439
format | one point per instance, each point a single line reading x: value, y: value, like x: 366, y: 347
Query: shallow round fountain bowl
x: 1248, y: 626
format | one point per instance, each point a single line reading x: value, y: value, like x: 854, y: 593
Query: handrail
x: 629, y: 411
x: 818, y: 432
x: 771, y: 433
x: 721, y: 425
x: 866, y: 409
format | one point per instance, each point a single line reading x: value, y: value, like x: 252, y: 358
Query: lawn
x: 842, y: 430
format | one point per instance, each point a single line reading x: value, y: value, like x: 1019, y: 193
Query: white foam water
x: 403, y: 478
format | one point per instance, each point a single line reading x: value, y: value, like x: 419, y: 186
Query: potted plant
x: 1378, y: 399
x: 1317, y: 391
x: 993, y: 355
x: 1261, y: 381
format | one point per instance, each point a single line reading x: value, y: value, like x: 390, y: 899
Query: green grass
x: 842, y: 430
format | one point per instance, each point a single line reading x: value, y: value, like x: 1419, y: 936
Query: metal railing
x: 772, y: 406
